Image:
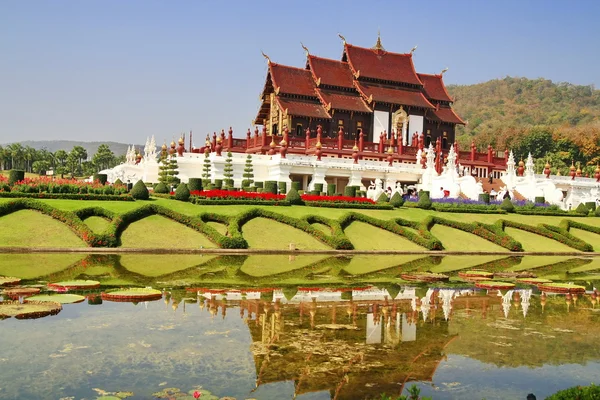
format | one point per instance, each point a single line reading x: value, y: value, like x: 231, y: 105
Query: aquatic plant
x: 28, y: 310
x: 494, y: 285
x: 75, y: 284
x: 561, y: 288
x: 132, y: 294
x: 9, y: 280
x: 58, y: 298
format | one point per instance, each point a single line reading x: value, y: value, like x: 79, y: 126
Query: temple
x: 370, y: 91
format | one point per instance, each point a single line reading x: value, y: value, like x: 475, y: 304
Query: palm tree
x: 16, y: 155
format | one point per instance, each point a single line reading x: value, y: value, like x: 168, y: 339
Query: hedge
x: 365, y: 206
x: 396, y: 200
x: 194, y: 184
x: 350, y: 191
x: 465, y: 209
x: 582, y: 209
x: 296, y: 185
x: 218, y: 184
x: 331, y: 189
x: 293, y: 197
x: 484, y: 197
x: 424, y: 200
x: 271, y: 187
x: 318, y: 187
x: 559, y: 234
x: 182, y: 193
x: 101, y: 178
x: 282, y: 186
x: 140, y: 191
x: 161, y: 188
x: 205, y: 202
x: 15, y: 175
x: 67, y: 196
x: 539, y: 200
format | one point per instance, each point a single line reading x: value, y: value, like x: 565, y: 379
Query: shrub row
x: 467, y: 209
x: 567, y: 224
x: 551, y: 232
x: 66, y: 196
x: 336, y: 230
x: 205, y: 202
x: 329, y: 204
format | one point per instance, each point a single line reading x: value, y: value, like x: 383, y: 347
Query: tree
x: 72, y: 164
x: 16, y: 152
x: 228, y: 170
x: 80, y: 153
x: 40, y: 166
x: 168, y: 171
x: 248, y: 172
x: 538, y: 142
x: 206, y: 168
x: 60, y: 161
x: 103, y: 158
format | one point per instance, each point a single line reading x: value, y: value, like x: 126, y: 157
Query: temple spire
x: 378, y: 45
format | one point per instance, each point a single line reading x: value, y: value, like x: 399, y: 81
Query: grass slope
x: 97, y: 224
x: 457, y: 263
x: 162, y: 264
x: 533, y: 242
x: 159, y: 232
x: 263, y: 233
x: 367, y: 237
x: 28, y: 228
x: 588, y: 237
x: 457, y: 240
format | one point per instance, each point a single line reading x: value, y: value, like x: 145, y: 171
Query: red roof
x: 445, y: 114
x: 383, y: 65
x: 292, y: 80
x: 393, y: 96
x: 302, y: 108
x: 331, y: 72
x: 434, y: 87
x: 346, y: 102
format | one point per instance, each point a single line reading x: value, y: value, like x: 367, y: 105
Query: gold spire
x: 355, y: 148
x: 305, y: 49
x: 266, y: 57
x: 390, y: 150
x: 378, y: 45
x: 572, y: 167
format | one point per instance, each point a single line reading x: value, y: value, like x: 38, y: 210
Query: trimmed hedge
x: 383, y: 198
x: 357, y: 206
x: 282, y: 186
x: 296, y: 185
x: 350, y: 191
x: 140, y: 191
x: 293, y: 197
x: 259, y: 184
x: 331, y: 189
x: 467, y: 209
x: 218, y: 184
x: 396, y: 200
x: 205, y: 202
x: 15, y: 175
x: 507, y: 205
x: 270, y: 187
x: 182, y: 193
x: 424, y: 200
x: 539, y: 200
x: 582, y: 209
x: 101, y: 178
x: 484, y: 197
x: 118, y: 182
x: 194, y: 184
x: 559, y: 234
x: 161, y: 188
x: 67, y: 196
x: 318, y: 187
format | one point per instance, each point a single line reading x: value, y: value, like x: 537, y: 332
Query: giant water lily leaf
x: 20, y: 292
x: 64, y: 298
x: 76, y: 284
x: 132, y: 294
x: 30, y: 309
x: 9, y: 280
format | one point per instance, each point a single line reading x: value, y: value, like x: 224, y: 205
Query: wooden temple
x: 370, y: 91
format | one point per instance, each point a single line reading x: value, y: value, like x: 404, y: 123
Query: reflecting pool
x: 305, y: 327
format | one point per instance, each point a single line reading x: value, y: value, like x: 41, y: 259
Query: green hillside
x: 503, y: 112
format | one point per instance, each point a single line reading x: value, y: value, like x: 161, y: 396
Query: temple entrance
x: 399, y: 124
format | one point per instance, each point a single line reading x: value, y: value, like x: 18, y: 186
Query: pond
x: 305, y: 327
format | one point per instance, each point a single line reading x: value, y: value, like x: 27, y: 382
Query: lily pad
x: 475, y: 274
x: 494, y: 285
x: 534, y: 281
x: 64, y: 298
x: 9, y: 280
x: 425, y: 277
x: 15, y: 293
x: 514, y: 275
x: 132, y: 294
x: 76, y: 284
x: 28, y: 310
x: 561, y: 288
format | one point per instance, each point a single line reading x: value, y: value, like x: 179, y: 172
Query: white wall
x: 381, y: 123
x: 415, y: 124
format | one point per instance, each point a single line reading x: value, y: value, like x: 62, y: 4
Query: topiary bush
x: 15, y: 175
x: 296, y: 185
x: 259, y: 184
x: 582, y: 209
x: 591, y: 205
x: 182, y: 192
x: 397, y: 200
x: 539, y: 200
x: 282, y: 187
x: 318, y: 187
x: 101, y: 178
x: 424, y: 201
x: 350, y: 191
x: 118, y: 182
x: 140, y: 191
x: 330, y: 189
x: 484, y: 197
x: 507, y: 205
x: 383, y: 198
x: 194, y: 184
x: 218, y: 184
x: 271, y: 187
x: 294, y: 197
x: 161, y: 188
x: 597, y: 212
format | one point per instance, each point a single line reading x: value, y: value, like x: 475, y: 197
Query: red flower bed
x: 230, y: 195
x: 336, y: 199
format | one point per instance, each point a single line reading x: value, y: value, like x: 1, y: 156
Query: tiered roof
x: 362, y: 78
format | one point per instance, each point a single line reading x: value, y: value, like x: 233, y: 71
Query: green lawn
x: 532, y: 262
x: 265, y: 265
x: 162, y: 264
x: 457, y: 240
x: 533, y: 242
x: 159, y: 232
x: 367, y: 237
x: 28, y: 228
x: 363, y: 264
x: 263, y: 233
x: 97, y: 224
x: 588, y: 237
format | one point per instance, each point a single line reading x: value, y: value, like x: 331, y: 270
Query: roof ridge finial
x: 305, y: 49
x: 266, y: 56
x: 341, y: 37
x: 413, y: 49
x: 443, y: 71
x: 378, y: 45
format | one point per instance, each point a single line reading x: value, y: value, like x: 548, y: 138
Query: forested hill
x: 518, y: 104
x: 91, y: 147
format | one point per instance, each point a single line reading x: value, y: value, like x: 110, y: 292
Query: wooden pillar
x: 361, y: 141
x: 230, y: 139
x: 248, y: 138
x: 340, y: 140
x: 307, y: 138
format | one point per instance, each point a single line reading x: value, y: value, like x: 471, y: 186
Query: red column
x: 307, y: 138
x: 248, y: 138
x: 361, y: 141
x: 381, y: 143
x: 473, y: 150
x: 230, y: 139
x: 437, y: 155
x: 340, y: 139
x: 490, y: 154
x: 263, y: 141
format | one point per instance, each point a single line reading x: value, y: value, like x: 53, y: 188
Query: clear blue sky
x: 119, y: 70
